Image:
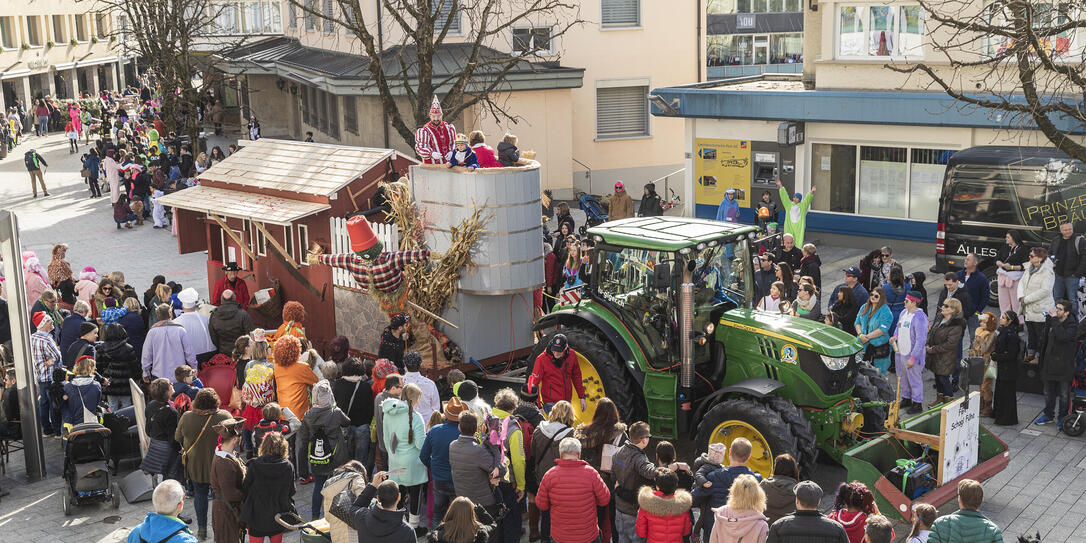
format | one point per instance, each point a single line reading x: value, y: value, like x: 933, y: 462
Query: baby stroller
x: 86, y: 471
x: 593, y: 210
x: 1074, y: 424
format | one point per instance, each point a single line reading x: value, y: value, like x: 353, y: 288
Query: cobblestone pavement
x: 1040, y: 491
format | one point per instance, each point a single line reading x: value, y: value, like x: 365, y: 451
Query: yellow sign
x: 718, y: 166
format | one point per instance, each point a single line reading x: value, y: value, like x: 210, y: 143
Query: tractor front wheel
x: 761, y: 422
x: 872, y: 386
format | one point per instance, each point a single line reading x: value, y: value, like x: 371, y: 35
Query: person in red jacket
x: 483, y: 153
x: 664, y: 514
x: 563, y: 491
x: 556, y: 374
x: 230, y: 281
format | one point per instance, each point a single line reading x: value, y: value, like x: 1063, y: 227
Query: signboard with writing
x: 744, y: 21
x: 718, y: 166
x: 959, y: 452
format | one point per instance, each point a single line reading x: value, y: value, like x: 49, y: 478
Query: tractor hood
x: 815, y: 336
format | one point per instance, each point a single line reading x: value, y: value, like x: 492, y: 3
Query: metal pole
x: 11, y: 251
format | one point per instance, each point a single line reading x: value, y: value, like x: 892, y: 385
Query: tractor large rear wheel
x: 602, y: 372
x: 872, y: 386
x: 763, y: 422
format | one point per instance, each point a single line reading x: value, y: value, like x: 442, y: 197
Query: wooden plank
x: 233, y: 236
x: 933, y: 441
x: 275, y: 244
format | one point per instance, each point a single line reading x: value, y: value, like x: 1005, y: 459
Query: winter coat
x: 200, y: 446
x: 881, y: 319
x: 79, y: 347
x: 466, y: 159
x: 853, y: 523
x: 545, y: 446
x: 399, y: 422
x: 1074, y: 263
x: 918, y: 336
x: 161, y: 421
x: 1008, y: 345
x: 944, y: 337
x: 269, y: 489
x: 84, y: 290
x: 1058, y: 363
x: 1035, y: 291
x: 722, y: 479
x: 962, y: 296
x: 361, y: 410
x: 69, y: 331
x: 121, y: 210
x: 727, y: 211
x: 895, y: 300
x: 117, y: 361
x: 983, y: 341
x: 780, y: 497
x: 793, y: 257
x: 807, y: 526
x: 571, y: 492
x: 227, y: 475
x: 157, y: 528
x: 82, y: 392
x: 485, y: 155
x: 978, y: 288
x: 557, y: 382
x: 811, y: 265
x: 663, y: 519
x: 964, y: 525
x: 508, y: 154
x: 482, y: 534
x: 227, y: 323
x: 651, y: 205
x: 471, y: 466
x: 166, y: 347
x: 136, y: 330
x: 376, y: 525
x: 621, y: 206
x: 329, y: 420
x: 631, y: 469
x: 733, y: 526
x: 435, y: 450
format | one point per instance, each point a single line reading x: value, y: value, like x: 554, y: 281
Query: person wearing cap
x: 462, y: 155
x: 729, y: 207
x: 195, y: 325
x: 166, y: 347
x: 557, y: 374
x: 468, y: 392
x: 807, y: 524
x: 227, y: 475
x: 795, y: 211
x: 434, y: 140
x: 46, y: 355
x: 435, y: 455
x: 909, y: 339
x: 112, y: 312
x: 394, y: 340
x: 228, y: 322
x: 83, y: 345
x: 852, y: 281
x: 621, y: 204
x: 631, y: 469
x: 431, y: 399
x: 230, y: 281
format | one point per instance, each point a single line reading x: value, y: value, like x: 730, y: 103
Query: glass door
x: 761, y: 49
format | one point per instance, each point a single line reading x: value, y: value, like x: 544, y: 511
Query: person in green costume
x: 795, y: 212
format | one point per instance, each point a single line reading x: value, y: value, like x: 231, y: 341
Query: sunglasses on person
x: 884, y: 255
x: 874, y: 297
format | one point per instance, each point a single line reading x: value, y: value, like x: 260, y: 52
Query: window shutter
x: 622, y: 111
x: 621, y: 13
x: 443, y: 15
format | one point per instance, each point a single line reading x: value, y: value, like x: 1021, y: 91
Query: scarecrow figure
x: 369, y: 265
x: 434, y: 140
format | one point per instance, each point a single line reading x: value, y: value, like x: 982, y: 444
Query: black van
x: 990, y: 190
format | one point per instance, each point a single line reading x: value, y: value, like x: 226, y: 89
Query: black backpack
x: 322, y: 451
x: 30, y: 160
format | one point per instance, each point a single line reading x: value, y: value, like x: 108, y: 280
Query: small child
x: 122, y: 212
x: 715, y: 483
x: 159, y: 211
x: 705, y: 464
x: 454, y: 378
x: 187, y: 382
x: 462, y: 155
x: 853, y: 504
x: 73, y: 138
x: 663, y: 513
x: 923, y: 515
x: 273, y: 421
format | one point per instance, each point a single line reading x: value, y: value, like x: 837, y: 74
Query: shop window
x: 33, y: 30
x: 880, y: 31
x: 620, y: 13
x: 350, y: 114
x: 81, y: 27
x: 785, y: 48
x: 746, y: 49
x: 60, y: 34
x: 7, y: 32
x: 622, y: 112
x: 882, y: 181
x: 926, y: 170
x: 730, y: 50
x: 833, y: 171
x: 536, y: 40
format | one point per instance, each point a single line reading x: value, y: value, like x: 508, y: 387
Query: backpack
x: 322, y: 449
x: 31, y: 160
x: 182, y: 403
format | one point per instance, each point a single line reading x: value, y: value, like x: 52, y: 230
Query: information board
x: 718, y: 166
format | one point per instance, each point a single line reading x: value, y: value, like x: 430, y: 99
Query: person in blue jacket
x: 163, y: 525
x: 462, y: 155
x: 729, y: 207
x: 873, y: 329
x: 976, y: 284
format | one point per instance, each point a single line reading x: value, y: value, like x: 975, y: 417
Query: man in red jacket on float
x: 557, y: 374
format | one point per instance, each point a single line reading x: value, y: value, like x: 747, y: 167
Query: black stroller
x: 86, y: 471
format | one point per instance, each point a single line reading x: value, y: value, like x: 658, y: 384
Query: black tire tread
x: 757, y: 413
x: 807, y: 445
x: 1072, y: 429
x: 867, y: 391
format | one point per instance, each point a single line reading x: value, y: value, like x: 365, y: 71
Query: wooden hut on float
x: 265, y: 204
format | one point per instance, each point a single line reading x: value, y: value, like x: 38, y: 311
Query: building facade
x: 874, y: 142
x: 752, y: 37
x: 583, y: 109
x: 58, y: 48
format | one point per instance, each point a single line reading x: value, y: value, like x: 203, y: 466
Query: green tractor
x: 666, y: 329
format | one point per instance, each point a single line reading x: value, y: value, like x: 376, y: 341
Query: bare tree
x: 1014, y: 57
x: 403, y: 67
x: 180, y: 40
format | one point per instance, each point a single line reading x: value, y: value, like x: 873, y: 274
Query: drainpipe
x: 698, y: 46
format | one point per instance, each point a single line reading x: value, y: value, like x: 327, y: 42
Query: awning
x: 83, y: 63
x: 242, y: 205
x: 14, y: 73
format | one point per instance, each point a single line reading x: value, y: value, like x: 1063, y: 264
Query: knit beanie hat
x: 86, y: 328
x: 468, y: 390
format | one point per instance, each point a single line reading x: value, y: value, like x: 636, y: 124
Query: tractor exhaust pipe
x: 686, y: 346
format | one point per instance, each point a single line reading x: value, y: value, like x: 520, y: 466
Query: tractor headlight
x: 835, y: 363
x: 709, y: 327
